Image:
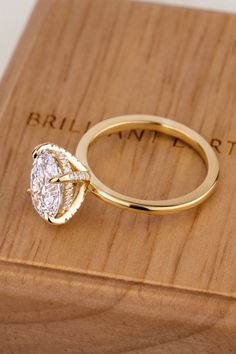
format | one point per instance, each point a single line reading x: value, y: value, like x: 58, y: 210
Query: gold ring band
x: 60, y: 181
x: 163, y: 125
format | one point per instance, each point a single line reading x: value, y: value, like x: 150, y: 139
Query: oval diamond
x: 46, y: 196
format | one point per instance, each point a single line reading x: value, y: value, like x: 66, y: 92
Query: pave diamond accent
x: 79, y: 176
x: 46, y: 197
x: 69, y: 189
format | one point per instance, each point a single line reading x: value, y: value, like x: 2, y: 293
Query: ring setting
x: 59, y: 181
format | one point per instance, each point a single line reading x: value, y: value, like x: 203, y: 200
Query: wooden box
x: 111, y: 281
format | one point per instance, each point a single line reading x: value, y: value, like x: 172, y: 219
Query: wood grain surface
x: 80, y: 62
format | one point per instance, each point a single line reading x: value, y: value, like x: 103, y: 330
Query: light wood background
x: 110, y: 281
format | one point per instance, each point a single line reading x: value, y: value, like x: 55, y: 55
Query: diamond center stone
x: 46, y: 196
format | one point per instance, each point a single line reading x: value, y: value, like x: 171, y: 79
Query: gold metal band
x: 165, y: 126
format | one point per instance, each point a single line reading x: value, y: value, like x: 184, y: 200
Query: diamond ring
x: 60, y: 181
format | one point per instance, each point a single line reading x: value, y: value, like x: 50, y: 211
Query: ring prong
x: 37, y: 149
x: 60, y: 179
x: 74, y: 177
x: 34, y: 154
x: 28, y: 190
x: 57, y: 179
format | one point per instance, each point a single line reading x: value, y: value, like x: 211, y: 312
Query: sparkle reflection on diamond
x: 46, y: 196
